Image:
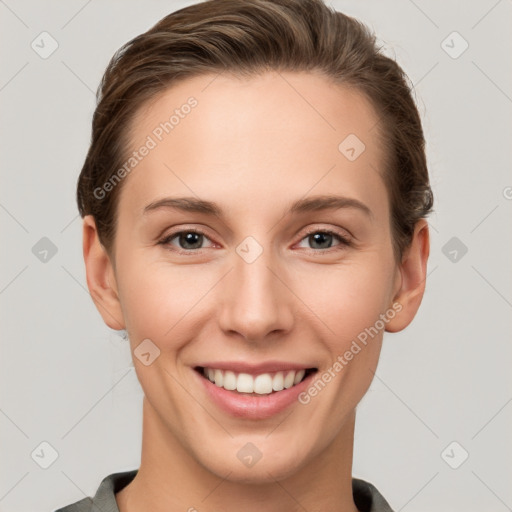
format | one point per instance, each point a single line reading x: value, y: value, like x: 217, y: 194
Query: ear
x: 412, y: 275
x: 100, y: 274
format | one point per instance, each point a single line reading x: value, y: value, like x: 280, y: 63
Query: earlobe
x: 100, y: 276
x: 413, y: 273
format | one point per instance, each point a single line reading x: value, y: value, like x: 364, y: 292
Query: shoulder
x: 84, y: 505
x: 368, y: 498
x: 104, y: 499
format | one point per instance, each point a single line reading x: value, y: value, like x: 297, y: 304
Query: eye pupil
x: 190, y: 238
x: 321, y: 239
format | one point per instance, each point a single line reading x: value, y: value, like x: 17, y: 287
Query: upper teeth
x: 262, y: 384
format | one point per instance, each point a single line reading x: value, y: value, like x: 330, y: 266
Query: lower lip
x: 251, y: 406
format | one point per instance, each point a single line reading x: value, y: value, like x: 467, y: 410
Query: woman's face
x: 295, y: 267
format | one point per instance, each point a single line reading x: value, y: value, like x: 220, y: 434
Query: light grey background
x: 67, y: 380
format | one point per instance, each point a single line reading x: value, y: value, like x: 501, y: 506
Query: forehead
x: 279, y: 132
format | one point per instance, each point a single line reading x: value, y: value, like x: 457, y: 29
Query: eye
x: 323, y: 239
x: 188, y: 240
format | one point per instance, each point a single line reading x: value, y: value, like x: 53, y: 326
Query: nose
x: 255, y: 301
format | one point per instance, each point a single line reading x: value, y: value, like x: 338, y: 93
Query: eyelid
x: 326, y: 229
x: 180, y: 228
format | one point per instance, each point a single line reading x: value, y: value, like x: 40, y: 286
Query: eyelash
x: 344, y: 241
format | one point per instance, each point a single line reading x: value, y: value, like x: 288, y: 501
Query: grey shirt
x: 366, y: 496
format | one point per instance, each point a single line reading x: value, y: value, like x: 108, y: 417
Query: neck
x: 170, y: 479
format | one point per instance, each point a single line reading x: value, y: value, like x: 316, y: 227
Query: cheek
x: 155, y: 297
x: 346, y: 299
x: 338, y: 300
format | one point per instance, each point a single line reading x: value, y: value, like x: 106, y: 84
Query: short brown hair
x: 247, y: 37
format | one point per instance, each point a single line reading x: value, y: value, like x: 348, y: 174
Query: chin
x: 244, y: 463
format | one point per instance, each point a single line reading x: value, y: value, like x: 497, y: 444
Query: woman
x: 254, y: 206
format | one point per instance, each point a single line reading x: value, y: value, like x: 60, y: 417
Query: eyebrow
x: 314, y: 203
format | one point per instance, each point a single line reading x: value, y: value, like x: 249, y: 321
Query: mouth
x: 269, y: 383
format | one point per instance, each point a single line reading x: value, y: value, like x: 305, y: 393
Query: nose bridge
x: 256, y: 302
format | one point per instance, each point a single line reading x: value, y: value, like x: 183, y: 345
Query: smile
x: 253, y: 392
x: 258, y: 384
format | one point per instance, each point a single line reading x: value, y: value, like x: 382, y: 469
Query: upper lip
x: 255, y: 369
